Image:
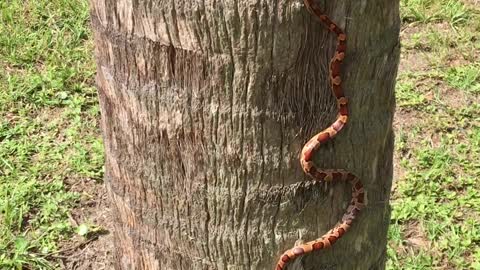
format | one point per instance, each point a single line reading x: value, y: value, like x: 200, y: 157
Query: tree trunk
x: 205, y: 108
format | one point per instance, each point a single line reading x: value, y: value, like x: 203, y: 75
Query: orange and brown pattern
x: 358, y: 193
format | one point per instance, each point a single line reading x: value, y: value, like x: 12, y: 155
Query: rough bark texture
x: 206, y: 105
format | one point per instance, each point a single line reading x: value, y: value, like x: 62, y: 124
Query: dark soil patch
x: 95, y: 250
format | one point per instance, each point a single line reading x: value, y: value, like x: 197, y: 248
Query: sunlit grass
x: 435, y: 219
x: 48, y: 126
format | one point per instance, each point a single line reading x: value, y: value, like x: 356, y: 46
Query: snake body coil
x: 329, y: 175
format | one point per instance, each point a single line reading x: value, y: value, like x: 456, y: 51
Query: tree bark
x: 205, y: 108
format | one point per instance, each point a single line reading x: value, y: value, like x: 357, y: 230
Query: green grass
x: 48, y: 126
x: 49, y: 137
x: 466, y: 78
x: 454, y: 12
x: 436, y: 204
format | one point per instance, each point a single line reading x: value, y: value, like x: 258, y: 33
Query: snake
x: 329, y: 175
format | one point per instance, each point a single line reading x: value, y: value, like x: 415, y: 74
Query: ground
x: 53, y: 212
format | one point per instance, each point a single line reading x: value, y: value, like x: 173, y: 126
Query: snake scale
x: 308, y: 151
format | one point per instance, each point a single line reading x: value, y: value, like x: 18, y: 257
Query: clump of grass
x: 465, y: 78
x: 407, y: 95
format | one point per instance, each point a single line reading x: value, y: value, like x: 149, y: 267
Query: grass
x: 454, y: 12
x: 436, y: 205
x: 48, y: 126
x: 49, y: 138
x: 466, y: 78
